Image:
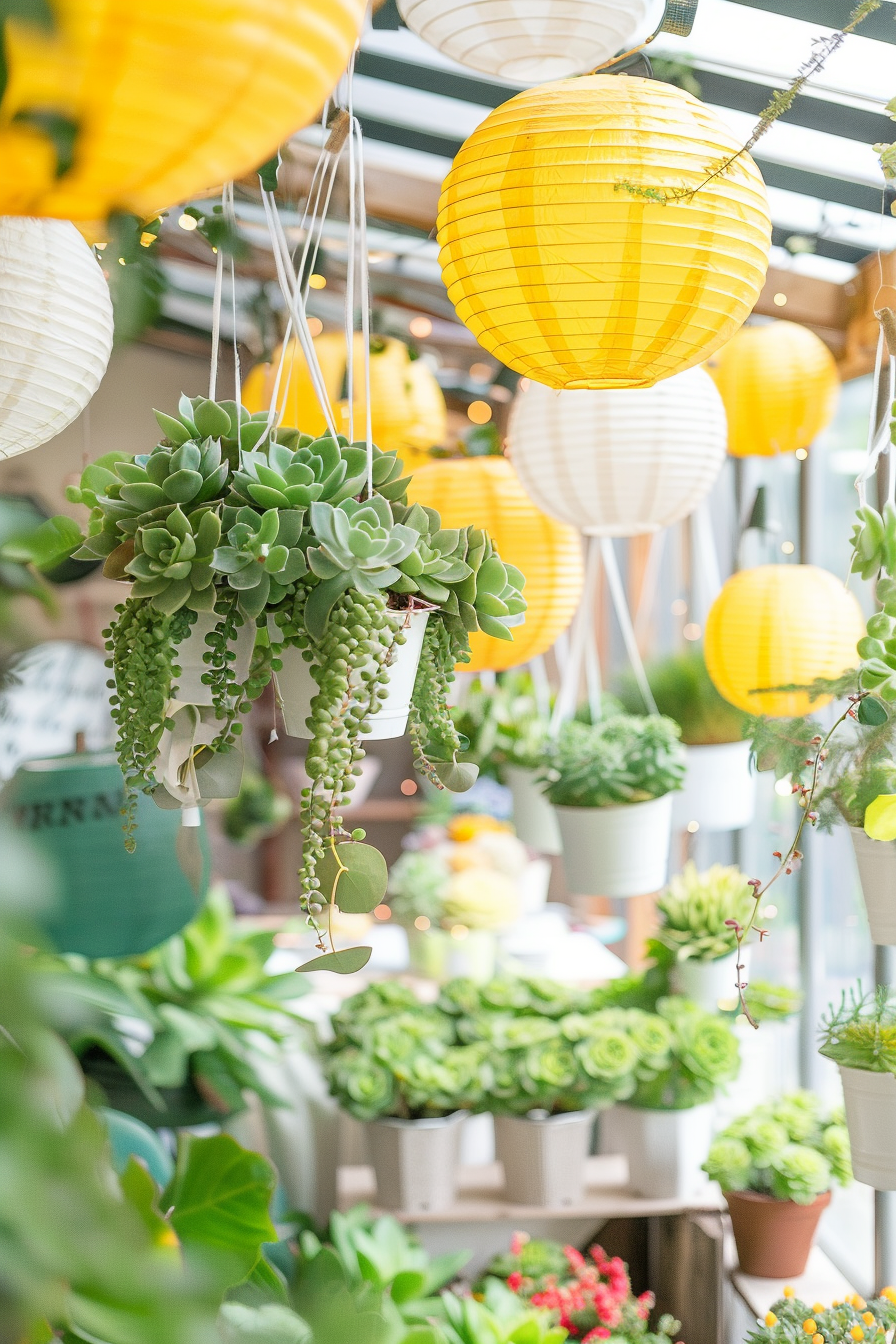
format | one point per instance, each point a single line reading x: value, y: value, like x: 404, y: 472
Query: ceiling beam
x: 880, y: 25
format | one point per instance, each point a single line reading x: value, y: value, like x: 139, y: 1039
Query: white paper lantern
x: 620, y: 462
x: 529, y: 40
x: 55, y: 329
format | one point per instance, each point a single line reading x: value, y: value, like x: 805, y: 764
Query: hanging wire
x: 617, y: 593
x: 216, y: 324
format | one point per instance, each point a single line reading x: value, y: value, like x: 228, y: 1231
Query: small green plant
x: 624, y: 759
x: 695, y: 910
x: 257, y: 811
x: 772, y: 1003
x: 786, y: 1148
x: 790, y: 1320
x: 703, y: 1056
x: 684, y: 692
x: 503, y: 725
x: 861, y: 1032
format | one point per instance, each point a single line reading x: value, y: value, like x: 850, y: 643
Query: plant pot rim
x: 612, y: 807
x: 866, y: 1073
x: 567, y: 1117
x: 759, y: 1197
x: 729, y: 742
x: 708, y: 961
x: 663, y: 1110
x: 425, y: 1122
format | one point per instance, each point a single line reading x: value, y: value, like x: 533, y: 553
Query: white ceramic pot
x: 189, y: 688
x: 295, y: 687
x: 477, y: 1140
x: 712, y: 984
x: 416, y: 1161
x: 544, y: 1159
x: 877, y: 873
x: 870, y: 1101
x: 665, y: 1149
x: 440, y: 956
x: 719, y: 792
x: 616, y: 851
x: 533, y: 816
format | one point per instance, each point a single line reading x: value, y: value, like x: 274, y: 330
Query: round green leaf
x: 346, y: 962
x: 872, y: 712
x: 458, y: 776
x: 354, y: 878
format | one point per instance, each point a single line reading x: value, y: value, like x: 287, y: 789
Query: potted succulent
x: 398, y: 1066
x: 860, y: 1037
x: 507, y: 733
x: 243, y: 542
x: 170, y: 1036
x: 695, y: 932
x: 776, y: 1166
x: 611, y: 784
x: 852, y: 1318
x: 665, y: 1126
x: 592, y: 1293
x: 719, y: 791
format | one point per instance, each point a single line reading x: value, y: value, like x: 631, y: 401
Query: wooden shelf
x: 481, y: 1197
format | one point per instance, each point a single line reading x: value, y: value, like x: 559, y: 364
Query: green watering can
x: 110, y: 903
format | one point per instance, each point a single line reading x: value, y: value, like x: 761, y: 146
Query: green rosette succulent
x: 436, y: 560
x: 172, y: 561
x: 695, y: 908
x: 835, y: 1146
x: 280, y: 477
x: 365, y: 1088
x: 800, y: 1174
x: 236, y: 429
x: 359, y: 547
x: 490, y: 598
x: 784, y: 1148
x: 609, y: 1056
x: 547, y: 1069
x: 730, y: 1162
x: 262, y: 557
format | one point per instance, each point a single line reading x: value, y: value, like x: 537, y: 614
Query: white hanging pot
x: 665, y: 1149
x: 719, y: 792
x: 416, y: 1161
x: 533, y: 816
x: 870, y: 1101
x: 295, y: 686
x: 616, y: 851
x: 877, y: 874
x: 544, y: 1157
x: 712, y: 984
x: 189, y: 688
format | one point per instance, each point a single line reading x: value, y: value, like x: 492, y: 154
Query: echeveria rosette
x: 729, y: 1162
x: 622, y: 759
x: 835, y: 1146
x: 172, y: 562
x: 704, y: 1056
x: 359, y: 547
x: 695, y: 908
x: 437, y: 559
x: 365, y: 1088
x: 609, y: 1058
x: 785, y: 1148
x: 318, y: 470
x: 233, y: 426
x: 800, y: 1174
x: 262, y: 558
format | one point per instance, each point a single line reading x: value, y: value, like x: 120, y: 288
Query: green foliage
x: 784, y: 1324
x: 704, y: 1056
x: 694, y: 909
x: 684, y: 692
x: 257, y: 811
x: 502, y: 725
x: 786, y: 1148
x: 137, y: 281
x: 861, y: 1031
x: 623, y: 759
x: 203, y: 998
x: 772, y: 1003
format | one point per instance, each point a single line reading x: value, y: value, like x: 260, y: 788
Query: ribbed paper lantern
x: 55, y: 329
x: 780, y: 387
x: 565, y: 275
x: 777, y: 625
x: 485, y: 491
x: 527, y: 40
x: 168, y: 97
x: 408, y: 409
x: 618, y: 463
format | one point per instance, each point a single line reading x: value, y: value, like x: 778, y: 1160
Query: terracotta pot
x: 773, y: 1236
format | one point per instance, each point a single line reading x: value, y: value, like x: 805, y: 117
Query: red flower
x: 599, y: 1332
x: 518, y: 1241
x: 574, y: 1258
x: 515, y: 1281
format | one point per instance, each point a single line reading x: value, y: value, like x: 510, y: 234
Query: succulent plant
x: 172, y: 561
x: 263, y: 556
x: 359, y: 547
x: 696, y: 908
x: 232, y: 425
x: 318, y: 469
x: 436, y: 559
x: 785, y: 1148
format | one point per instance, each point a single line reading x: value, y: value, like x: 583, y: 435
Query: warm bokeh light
x: 188, y: 222
x: 421, y: 923
x: 692, y: 631
x: 459, y: 931
x: 409, y: 787
x: 421, y: 327
x: 315, y: 326
x: 780, y: 300
x: 317, y: 281
x: 679, y: 607
x: 382, y: 912
x: 479, y: 412
x: 481, y: 373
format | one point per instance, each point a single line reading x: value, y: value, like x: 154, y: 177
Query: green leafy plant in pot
x: 859, y: 1035
x: 611, y: 784
x: 776, y: 1166
x: 695, y: 939
x: 665, y: 1126
x: 719, y: 791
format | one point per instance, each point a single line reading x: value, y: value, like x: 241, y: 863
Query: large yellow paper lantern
x: 780, y: 387
x: 408, y: 409
x: 778, y: 625
x: 561, y: 260
x: 168, y: 97
x: 486, y: 492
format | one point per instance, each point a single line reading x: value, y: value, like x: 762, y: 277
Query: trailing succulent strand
x: 434, y: 738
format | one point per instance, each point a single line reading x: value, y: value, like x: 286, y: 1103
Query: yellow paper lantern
x: 780, y: 387
x: 568, y: 276
x: 168, y: 97
x: 777, y: 625
x: 486, y: 492
x: 408, y: 409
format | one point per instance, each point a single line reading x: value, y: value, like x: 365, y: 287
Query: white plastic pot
x: 190, y: 688
x: 544, y: 1158
x: 709, y: 983
x: 665, y: 1149
x: 533, y: 816
x: 477, y: 1140
x: 616, y: 851
x: 416, y: 1161
x: 438, y: 955
x: 295, y: 687
x: 877, y: 873
x: 719, y: 792
x: 870, y: 1101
